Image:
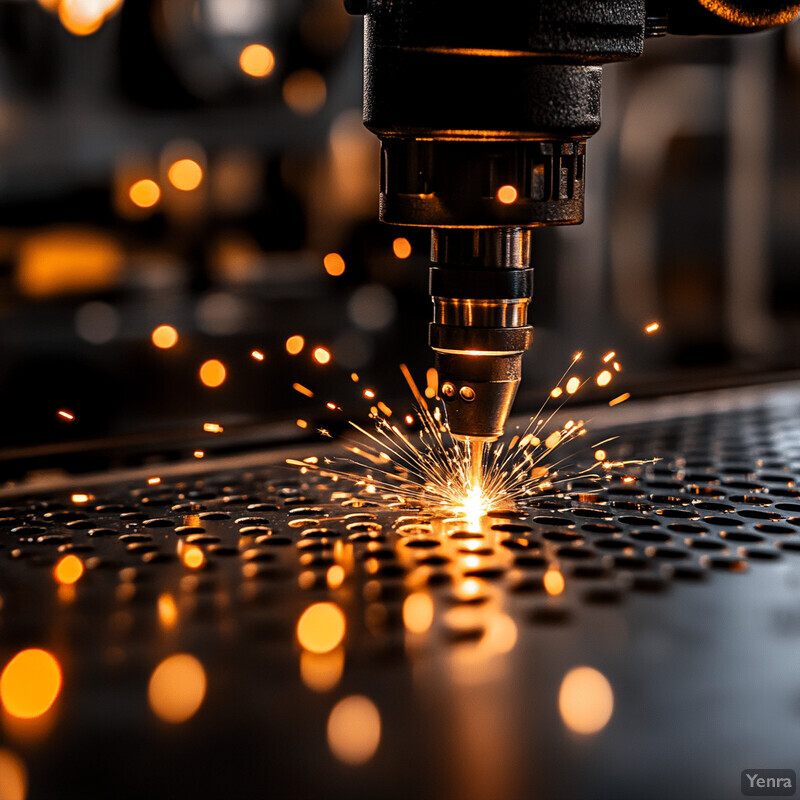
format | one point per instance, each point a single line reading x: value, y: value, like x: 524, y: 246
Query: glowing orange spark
x: 257, y: 355
x: 573, y: 384
x: 66, y: 415
x: 295, y: 344
x: 384, y: 408
x: 354, y: 377
x: 409, y: 419
x: 652, y: 327
x: 79, y: 499
x: 557, y: 392
x: 369, y: 394
x: 154, y: 481
x: 608, y: 356
x: 603, y: 378
x: 301, y: 423
x: 600, y: 455
x: 199, y: 454
x: 621, y: 399
x: 321, y: 355
x: 298, y: 387
x: 212, y: 427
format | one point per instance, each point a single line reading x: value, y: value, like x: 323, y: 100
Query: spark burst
x: 434, y: 470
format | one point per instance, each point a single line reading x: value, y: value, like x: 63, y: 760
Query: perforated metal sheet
x: 681, y: 588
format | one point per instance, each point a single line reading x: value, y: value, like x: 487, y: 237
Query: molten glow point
x: 652, y: 327
x: 256, y: 60
x: 167, y: 611
x: 164, y: 337
x: 617, y: 367
x: 369, y: 394
x: 557, y: 392
x: 295, y: 345
x: 193, y: 557
x: 354, y: 730
x: 578, y: 356
x: 13, y: 777
x: 553, y: 582
x: 66, y: 415
x: 212, y: 427
x: 185, y: 174
x: 213, y: 373
x: 153, y: 481
x: 401, y: 247
x: 68, y: 570
x: 608, y: 356
x: 628, y: 479
x: 334, y: 264
x: 473, y: 507
x: 621, y: 399
x: 321, y: 355
x: 177, y: 688
x: 507, y: 194
x: 335, y: 576
x: 331, y: 406
x: 384, y: 408
x: 321, y: 671
x: 585, y: 700
x: 257, y: 355
x: 199, y: 454
x: 144, y: 193
x: 354, y: 377
x: 600, y: 455
x: 298, y: 387
x: 321, y: 628
x: 30, y: 683
x: 418, y: 612
x: 409, y: 419
x: 573, y: 384
x: 301, y: 423
x: 604, y: 378
x: 79, y: 499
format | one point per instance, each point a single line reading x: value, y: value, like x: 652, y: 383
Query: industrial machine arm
x: 483, y: 111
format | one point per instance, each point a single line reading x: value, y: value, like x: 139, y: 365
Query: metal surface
x: 680, y: 588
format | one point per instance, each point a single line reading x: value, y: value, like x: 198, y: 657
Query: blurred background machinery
x: 188, y: 184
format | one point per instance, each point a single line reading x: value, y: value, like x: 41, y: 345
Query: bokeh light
x: 354, y: 730
x: 185, y: 174
x: 257, y: 60
x: 145, y: 193
x: 304, y: 91
x: 213, y: 373
x: 334, y: 264
x: 585, y: 700
x: 321, y: 628
x: 68, y: 570
x: 30, y: 683
x: 164, y: 337
x: 418, y: 612
x: 321, y: 355
x: 177, y: 688
x: 13, y: 776
x: 401, y: 247
x: 295, y: 345
x: 507, y: 194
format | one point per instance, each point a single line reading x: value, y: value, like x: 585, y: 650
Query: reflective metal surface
x: 245, y: 630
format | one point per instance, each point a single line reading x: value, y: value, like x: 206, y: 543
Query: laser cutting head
x: 483, y: 116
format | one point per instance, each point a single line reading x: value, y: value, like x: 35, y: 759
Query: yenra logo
x: 769, y: 782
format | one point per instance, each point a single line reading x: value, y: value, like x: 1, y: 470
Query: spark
x: 321, y: 355
x: 298, y: 387
x: 301, y: 423
x: 452, y: 477
x: 608, y: 356
x: 79, y: 499
x: 507, y: 194
x: 212, y: 427
x: 369, y: 394
x: 604, y: 378
x: 401, y: 247
x: 199, y: 454
x: 154, y: 481
x: 257, y: 355
x: 621, y: 399
x: 334, y: 264
x: 67, y: 415
x: 354, y: 377
x: 652, y: 327
x: 295, y: 344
